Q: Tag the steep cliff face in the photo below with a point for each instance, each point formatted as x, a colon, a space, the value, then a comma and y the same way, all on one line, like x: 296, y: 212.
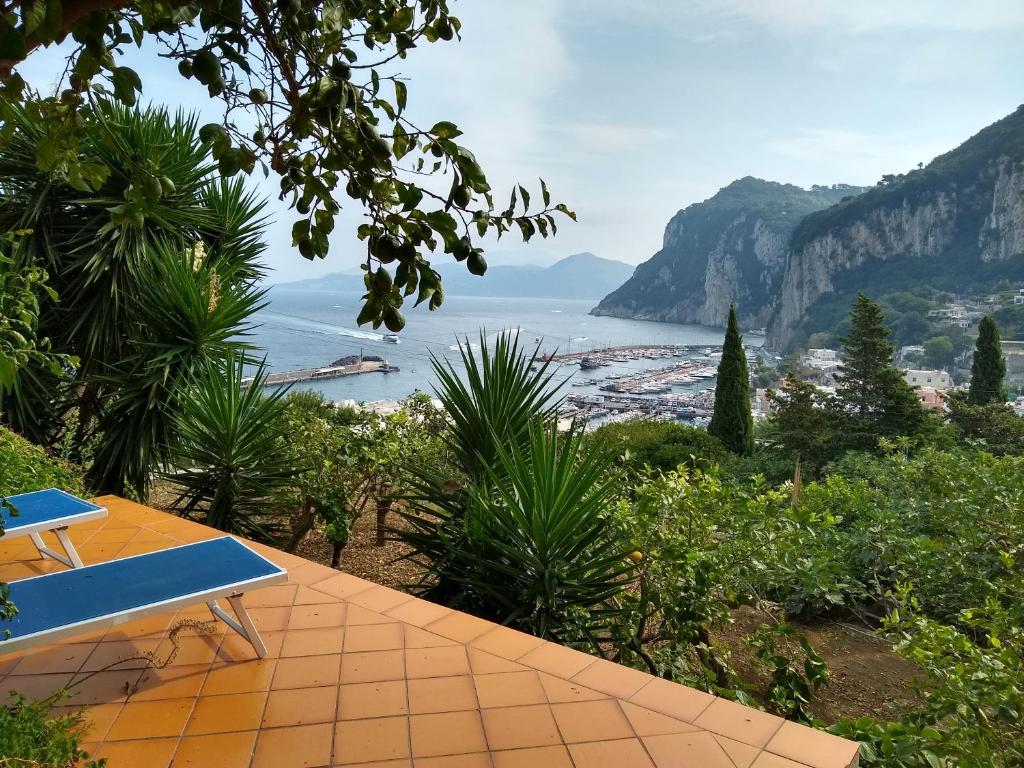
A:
x: 729, y: 249
x: 956, y: 224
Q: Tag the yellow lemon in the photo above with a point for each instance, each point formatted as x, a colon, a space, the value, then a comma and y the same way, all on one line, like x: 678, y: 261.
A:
x: 636, y: 556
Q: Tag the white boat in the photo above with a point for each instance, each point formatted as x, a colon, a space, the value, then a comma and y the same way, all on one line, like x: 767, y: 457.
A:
x: 391, y: 338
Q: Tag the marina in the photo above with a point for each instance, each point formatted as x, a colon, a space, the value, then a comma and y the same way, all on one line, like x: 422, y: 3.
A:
x: 348, y: 366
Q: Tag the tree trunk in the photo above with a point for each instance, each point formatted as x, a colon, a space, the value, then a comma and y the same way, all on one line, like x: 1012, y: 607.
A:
x: 301, y: 525
x: 383, y: 507
x: 336, y: 554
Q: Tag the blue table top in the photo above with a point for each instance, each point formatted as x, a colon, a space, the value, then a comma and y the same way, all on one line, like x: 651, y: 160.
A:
x: 42, y: 507
x: 63, y: 598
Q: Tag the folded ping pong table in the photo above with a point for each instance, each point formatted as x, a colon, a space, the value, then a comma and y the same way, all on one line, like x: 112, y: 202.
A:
x: 49, y: 510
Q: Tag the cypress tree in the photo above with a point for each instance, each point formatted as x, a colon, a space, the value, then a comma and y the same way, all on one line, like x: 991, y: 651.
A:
x: 989, y: 367
x: 871, y: 391
x: 732, y: 421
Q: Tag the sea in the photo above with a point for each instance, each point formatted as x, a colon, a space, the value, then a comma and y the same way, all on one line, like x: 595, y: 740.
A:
x: 312, y: 328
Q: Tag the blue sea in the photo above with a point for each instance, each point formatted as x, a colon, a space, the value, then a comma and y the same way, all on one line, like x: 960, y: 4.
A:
x: 309, y: 329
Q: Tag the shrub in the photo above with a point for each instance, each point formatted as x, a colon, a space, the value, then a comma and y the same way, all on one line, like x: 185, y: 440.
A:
x: 661, y: 445
x: 31, y: 736
x: 27, y: 467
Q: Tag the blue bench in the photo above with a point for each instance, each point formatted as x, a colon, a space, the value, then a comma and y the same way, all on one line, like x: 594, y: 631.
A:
x: 66, y: 603
x: 49, y: 510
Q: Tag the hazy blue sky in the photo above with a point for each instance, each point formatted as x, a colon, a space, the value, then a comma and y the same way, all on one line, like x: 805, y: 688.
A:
x: 633, y: 110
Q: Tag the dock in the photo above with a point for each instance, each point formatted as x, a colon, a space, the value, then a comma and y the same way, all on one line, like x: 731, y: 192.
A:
x: 328, y: 372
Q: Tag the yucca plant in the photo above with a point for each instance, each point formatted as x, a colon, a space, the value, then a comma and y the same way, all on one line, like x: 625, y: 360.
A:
x: 228, y: 456
x: 518, y: 530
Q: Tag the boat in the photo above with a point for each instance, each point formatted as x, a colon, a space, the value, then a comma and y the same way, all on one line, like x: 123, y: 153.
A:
x: 391, y: 338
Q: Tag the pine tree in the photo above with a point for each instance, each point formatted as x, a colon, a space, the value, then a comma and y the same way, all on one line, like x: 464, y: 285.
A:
x: 989, y: 367
x: 732, y: 421
x: 870, y: 390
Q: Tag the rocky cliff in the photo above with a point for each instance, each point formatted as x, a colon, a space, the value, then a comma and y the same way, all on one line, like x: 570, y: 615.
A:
x: 729, y: 249
x: 956, y: 224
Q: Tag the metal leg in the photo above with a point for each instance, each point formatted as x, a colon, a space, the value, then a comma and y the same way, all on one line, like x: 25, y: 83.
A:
x: 243, y: 626
x: 69, y: 548
x: 70, y: 558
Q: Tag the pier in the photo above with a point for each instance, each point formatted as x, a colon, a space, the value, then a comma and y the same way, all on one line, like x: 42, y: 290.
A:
x: 345, y: 367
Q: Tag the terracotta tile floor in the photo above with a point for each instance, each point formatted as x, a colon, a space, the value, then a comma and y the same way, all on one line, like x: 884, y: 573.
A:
x: 361, y: 675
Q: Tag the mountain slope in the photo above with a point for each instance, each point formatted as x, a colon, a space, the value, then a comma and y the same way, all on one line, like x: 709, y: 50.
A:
x: 580, y: 276
x: 731, y: 248
x: 957, y: 223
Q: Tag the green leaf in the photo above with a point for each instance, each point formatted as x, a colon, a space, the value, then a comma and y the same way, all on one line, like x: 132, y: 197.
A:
x: 126, y: 82
x: 12, y: 44
x: 401, y: 94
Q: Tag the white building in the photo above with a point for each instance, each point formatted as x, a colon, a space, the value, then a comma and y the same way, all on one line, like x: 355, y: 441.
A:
x: 937, y: 380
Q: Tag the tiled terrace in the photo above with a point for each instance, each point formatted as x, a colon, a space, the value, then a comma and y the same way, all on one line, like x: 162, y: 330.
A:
x: 362, y: 675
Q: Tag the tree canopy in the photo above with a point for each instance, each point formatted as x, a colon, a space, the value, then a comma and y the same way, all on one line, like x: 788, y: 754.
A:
x: 310, y: 94
x: 732, y: 421
x: 989, y: 368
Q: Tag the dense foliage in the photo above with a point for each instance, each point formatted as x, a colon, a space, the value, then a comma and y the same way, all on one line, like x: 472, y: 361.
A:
x: 309, y: 93
x: 660, y: 445
x: 31, y: 735
x: 731, y: 420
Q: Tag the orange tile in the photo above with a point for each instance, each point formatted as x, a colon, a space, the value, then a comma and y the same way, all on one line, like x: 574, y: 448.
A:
x: 271, y: 619
x: 446, y: 733
x: 231, y: 712
x: 420, y: 638
x: 647, y: 722
x: 380, y: 599
x: 769, y: 760
x: 310, y: 574
x: 190, y: 650
x: 507, y: 643
x: 236, y: 648
x: 229, y: 750
x: 477, y: 760
x: 313, y: 642
x: 509, y: 689
x: 673, y: 699
x: 373, y: 637
x: 155, y: 625
x: 239, y: 677
x: 436, y: 662
x: 146, y: 719
x: 316, y: 616
x: 811, y: 746
x: 591, y: 721
x: 460, y: 626
x: 364, y: 700
x: 170, y: 683
x: 67, y: 657
x: 271, y: 597
x: 306, y: 672
x: 372, y: 666
x: 683, y: 749
x: 739, y: 722
x: 483, y: 663
x: 356, y: 615
x: 611, y: 754
x: 97, y: 719
x: 309, y: 596
x: 343, y: 585
x: 418, y: 612
x: 441, y: 694
x: 121, y: 654
x: 515, y: 727
x: 363, y: 741
x: 559, y: 690
x: 535, y: 757
x: 306, y: 745
x: 743, y: 755
x: 151, y: 753
x: 613, y: 679
x: 99, y: 688
x: 557, y: 660
x: 302, y: 706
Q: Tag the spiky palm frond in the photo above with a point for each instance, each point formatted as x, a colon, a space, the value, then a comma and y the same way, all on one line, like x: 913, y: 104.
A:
x: 228, y: 454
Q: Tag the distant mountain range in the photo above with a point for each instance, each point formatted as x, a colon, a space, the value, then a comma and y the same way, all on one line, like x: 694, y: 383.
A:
x: 794, y: 259
x: 580, y: 276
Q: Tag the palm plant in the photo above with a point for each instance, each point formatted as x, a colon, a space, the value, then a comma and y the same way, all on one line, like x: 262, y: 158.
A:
x: 228, y: 458
x: 137, y: 311
x: 519, y: 533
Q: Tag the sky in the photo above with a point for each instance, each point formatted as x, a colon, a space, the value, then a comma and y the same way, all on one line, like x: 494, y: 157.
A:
x: 633, y: 110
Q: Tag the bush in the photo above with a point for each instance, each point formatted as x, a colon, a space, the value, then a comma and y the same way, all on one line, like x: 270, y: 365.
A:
x: 26, y: 467
x: 31, y: 736
x: 661, y: 445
